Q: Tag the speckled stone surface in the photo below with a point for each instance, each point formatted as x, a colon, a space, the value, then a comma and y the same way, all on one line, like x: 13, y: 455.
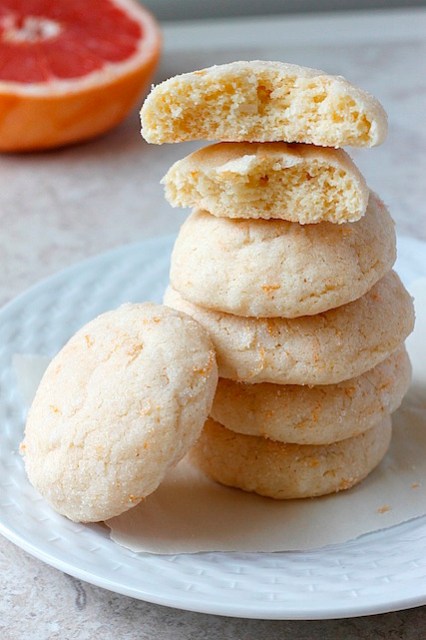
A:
x: 59, y: 207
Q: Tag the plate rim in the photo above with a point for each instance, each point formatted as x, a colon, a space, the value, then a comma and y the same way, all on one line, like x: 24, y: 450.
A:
x: 217, y: 608
x: 264, y: 610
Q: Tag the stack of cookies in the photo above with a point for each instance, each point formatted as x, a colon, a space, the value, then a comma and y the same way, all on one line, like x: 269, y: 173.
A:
x: 287, y: 261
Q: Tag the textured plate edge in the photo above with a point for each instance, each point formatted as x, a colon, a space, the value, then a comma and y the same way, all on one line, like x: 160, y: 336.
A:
x: 214, y: 608
x: 217, y: 608
x: 80, y: 265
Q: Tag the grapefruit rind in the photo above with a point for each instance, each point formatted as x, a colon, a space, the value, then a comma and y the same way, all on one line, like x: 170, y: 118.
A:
x: 51, y: 114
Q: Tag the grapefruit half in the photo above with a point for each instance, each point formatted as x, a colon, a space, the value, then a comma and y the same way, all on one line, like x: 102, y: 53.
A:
x: 71, y: 69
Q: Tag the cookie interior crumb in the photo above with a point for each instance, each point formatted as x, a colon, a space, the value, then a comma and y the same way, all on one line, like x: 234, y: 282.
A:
x: 261, y: 101
x: 299, y: 183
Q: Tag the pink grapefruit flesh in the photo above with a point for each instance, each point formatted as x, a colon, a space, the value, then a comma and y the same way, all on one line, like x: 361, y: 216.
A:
x: 71, y: 69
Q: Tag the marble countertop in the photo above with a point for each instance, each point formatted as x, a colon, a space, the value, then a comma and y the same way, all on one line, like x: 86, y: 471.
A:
x: 62, y: 206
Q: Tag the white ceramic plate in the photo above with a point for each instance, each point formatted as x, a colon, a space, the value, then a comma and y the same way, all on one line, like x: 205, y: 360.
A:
x: 379, y: 572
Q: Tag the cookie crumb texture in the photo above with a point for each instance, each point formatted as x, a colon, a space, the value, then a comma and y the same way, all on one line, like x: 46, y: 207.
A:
x: 287, y: 471
x: 326, y: 348
x: 274, y: 268
x: 294, y: 182
x: 122, y: 402
x: 322, y: 414
x: 261, y: 101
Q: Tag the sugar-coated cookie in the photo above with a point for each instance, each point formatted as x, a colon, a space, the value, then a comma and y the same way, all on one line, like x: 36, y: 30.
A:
x: 260, y: 101
x: 314, y: 415
x: 295, y: 182
x: 286, y: 471
x: 323, y: 349
x: 122, y: 402
x: 274, y: 268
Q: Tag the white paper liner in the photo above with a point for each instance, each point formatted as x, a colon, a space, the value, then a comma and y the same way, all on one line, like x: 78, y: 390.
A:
x: 189, y: 513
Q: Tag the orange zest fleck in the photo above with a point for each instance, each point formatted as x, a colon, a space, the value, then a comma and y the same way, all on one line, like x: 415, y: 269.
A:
x: 268, y: 288
x: 384, y: 509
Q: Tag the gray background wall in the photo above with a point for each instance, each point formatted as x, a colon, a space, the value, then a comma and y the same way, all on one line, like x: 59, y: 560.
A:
x: 196, y: 9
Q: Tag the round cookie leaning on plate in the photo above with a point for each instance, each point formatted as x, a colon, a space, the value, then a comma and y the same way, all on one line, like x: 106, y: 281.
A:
x: 285, y: 471
x: 326, y: 348
x: 295, y: 182
x: 121, y: 403
x: 262, y: 101
x: 260, y: 268
x: 322, y: 414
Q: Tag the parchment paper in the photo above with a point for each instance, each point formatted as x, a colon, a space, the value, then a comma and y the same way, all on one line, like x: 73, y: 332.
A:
x: 189, y: 513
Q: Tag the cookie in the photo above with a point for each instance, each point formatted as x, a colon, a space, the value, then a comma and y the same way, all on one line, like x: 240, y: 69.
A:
x: 294, y: 182
x: 122, y: 402
x: 326, y: 348
x: 314, y: 415
x: 274, y: 268
x: 286, y: 471
x: 260, y: 101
